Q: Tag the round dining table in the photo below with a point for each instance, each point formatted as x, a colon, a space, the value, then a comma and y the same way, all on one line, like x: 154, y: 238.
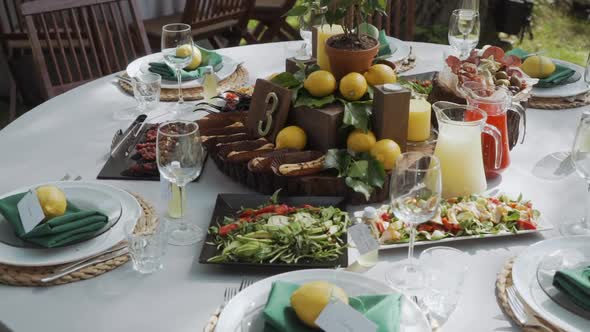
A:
x: 72, y: 134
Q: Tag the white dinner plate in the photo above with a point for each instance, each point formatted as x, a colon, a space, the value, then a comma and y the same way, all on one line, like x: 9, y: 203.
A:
x: 141, y: 65
x: 249, y: 303
x: 86, y: 195
x: 566, y: 90
x: 524, y: 276
x: 400, y: 49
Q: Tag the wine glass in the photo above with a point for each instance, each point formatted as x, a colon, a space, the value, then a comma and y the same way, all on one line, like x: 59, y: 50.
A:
x: 445, y: 273
x: 581, y: 159
x: 464, y: 30
x: 179, y: 154
x: 177, y: 49
x: 470, y: 4
x: 415, y: 196
x: 587, y: 71
x: 307, y: 21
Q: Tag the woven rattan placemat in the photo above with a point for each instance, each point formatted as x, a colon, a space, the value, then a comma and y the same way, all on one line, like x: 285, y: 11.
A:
x: 236, y: 80
x: 30, y: 276
x: 503, y: 281
x: 560, y: 103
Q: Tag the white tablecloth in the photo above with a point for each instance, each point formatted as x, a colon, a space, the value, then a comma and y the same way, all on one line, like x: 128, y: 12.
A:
x: 72, y: 133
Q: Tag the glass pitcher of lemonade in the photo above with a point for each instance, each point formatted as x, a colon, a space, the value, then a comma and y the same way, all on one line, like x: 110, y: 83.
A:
x: 459, y: 148
x: 495, y: 101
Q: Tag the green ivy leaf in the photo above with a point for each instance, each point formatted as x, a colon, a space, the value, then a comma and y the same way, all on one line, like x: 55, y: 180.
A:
x: 357, y: 114
x: 359, y: 187
x: 305, y: 99
x: 286, y: 80
x: 358, y: 169
x: 375, y: 172
x: 339, y: 160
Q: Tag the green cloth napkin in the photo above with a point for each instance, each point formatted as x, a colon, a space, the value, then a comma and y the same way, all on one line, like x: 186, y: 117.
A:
x: 384, y: 48
x: 75, y: 225
x: 383, y: 310
x: 575, y: 283
x: 559, y: 76
x: 209, y: 58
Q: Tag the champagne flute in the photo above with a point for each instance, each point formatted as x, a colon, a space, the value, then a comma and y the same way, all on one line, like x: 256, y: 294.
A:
x: 470, y: 4
x: 177, y: 49
x: 587, y: 71
x: 179, y: 154
x: 581, y: 160
x: 415, y: 196
x: 464, y: 30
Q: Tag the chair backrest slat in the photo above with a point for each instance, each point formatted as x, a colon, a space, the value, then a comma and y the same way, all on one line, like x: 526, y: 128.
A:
x: 201, y: 13
x: 82, y: 39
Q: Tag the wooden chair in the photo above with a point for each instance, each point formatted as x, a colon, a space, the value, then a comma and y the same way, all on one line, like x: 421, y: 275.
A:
x: 74, y: 42
x: 209, y: 19
x: 270, y: 14
x: 392, y: 23
x: 13, y: 42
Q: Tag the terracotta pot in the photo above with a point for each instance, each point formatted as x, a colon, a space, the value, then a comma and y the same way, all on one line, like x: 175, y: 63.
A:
x: 344, y: 61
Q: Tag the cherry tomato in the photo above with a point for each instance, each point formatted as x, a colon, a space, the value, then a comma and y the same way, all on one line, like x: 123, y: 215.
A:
x: 224, y: 230
x: 526, y: 225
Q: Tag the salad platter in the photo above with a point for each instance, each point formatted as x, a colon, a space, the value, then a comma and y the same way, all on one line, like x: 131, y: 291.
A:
x: 463, y: 218
x: 293, y: 232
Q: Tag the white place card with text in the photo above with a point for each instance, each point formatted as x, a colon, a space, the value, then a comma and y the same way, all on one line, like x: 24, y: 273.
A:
x: 338, y: 316
x: 30, y: 211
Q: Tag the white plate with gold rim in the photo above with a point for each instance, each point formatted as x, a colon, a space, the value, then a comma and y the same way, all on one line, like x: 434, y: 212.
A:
x: 99, y: 196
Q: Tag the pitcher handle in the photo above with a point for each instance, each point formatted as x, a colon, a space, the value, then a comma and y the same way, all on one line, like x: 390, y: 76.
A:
x: 517, y: 107
x: 495, y: 133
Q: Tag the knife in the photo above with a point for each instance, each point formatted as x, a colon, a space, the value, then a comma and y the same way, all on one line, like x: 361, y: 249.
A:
x: 76, y: 267
x: 127, y: 135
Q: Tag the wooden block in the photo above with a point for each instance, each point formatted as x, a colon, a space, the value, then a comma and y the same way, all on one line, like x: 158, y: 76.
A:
x: 291, y: 64
x: 314, y: 42
x: 263, y: 109
x: 391, y: 111
x: 323, y: 126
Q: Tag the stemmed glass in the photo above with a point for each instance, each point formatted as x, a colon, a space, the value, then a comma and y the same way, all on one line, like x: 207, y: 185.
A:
x: 464, y: 30
x: 415, y: 196
x: 581, y: 159
x: 179, y: 154
x: 587, y: 71
x: 177, y: 49
x: 445, y: 270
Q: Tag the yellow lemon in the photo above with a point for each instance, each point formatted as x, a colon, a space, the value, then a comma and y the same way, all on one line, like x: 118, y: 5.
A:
x: 311, y: 298
x: 380, y: 74
x: 320, y: 83
x: 291, y: 137
x: 353, y: 86
x: 185, y: 50
x: 538, y: 66
x: 359, y: 141
x: 52, y: 200
x: 386, y: 151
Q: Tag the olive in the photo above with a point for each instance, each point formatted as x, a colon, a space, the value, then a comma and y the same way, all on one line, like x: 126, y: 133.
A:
x: 502, y: 75
x: 503, y: 82
x: 514, y: 80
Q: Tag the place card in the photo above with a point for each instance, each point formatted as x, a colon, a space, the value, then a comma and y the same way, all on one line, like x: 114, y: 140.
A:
x: 338, y: 316
x: 363, y: 239
x: 30, y: 211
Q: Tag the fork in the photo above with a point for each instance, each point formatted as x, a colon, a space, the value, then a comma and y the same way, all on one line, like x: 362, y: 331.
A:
x: 523, y: 314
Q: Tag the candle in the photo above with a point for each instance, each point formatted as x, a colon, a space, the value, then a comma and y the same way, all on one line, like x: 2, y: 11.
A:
x: 324, y: 32
x: 419, y: 120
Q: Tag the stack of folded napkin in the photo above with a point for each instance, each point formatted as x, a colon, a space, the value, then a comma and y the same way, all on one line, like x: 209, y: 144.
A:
x: 383, y: 310
x: 575, y: 283
x: 559, y: 76
x: 210, y: 58
x: 74, y: 226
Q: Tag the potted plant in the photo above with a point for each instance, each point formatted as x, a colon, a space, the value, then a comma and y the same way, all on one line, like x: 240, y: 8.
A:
x: 352, y: 51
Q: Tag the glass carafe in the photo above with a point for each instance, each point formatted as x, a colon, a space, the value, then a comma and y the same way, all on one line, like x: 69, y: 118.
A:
x: 459, y: 148
x: 496, y: 101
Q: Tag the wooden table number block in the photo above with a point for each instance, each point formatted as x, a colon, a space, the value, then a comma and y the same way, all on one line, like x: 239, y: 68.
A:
x: 391, y: 111
x: 268, y: 110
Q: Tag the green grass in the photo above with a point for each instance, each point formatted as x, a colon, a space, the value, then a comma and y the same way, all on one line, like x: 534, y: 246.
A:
x: 558, y: 34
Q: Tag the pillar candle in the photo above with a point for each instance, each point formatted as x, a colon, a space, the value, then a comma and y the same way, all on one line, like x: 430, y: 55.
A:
x: 419, y: 121
x: 324, y: 32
